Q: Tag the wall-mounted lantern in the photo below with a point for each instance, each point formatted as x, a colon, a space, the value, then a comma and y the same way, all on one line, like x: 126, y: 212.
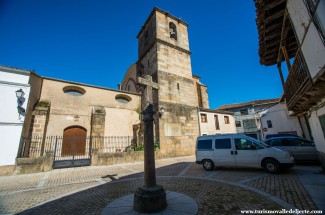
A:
x: 161, y: 111
x: 20, y: 101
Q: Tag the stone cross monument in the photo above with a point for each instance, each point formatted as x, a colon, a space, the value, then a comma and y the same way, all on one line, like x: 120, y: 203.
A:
x: 151, y: 197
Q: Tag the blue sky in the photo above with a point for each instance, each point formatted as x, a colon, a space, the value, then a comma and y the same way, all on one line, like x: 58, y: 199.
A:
x: 94, y: 42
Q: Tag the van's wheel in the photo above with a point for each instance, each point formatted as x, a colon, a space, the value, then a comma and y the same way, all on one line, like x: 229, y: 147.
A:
x: 208, y: 165
x: 271, y: 166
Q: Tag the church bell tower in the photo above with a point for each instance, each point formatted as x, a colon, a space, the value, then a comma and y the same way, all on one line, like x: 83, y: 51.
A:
x: 163, y: 53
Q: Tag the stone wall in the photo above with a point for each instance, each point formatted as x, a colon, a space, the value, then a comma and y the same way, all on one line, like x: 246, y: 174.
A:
x: 122, y: 157
x: 98, y: 121
x: 7, y: 170
x: 147, y: 37
x: 35, y: 164
x: 168, y: 60
x: 205, y: 99
x: 178, y: 129
x: 176, y: 89
x: 38, y: 125
x: 39, y: 119
x: 98, y: 125
x: 174, y: 61
x: 44, y: 163
x: 163, y: 20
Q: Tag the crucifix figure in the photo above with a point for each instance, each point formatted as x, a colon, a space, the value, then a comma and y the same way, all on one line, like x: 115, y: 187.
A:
x: 151, y: 197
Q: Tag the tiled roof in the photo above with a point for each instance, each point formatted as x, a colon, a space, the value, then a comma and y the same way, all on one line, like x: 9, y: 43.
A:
x: 255, y: 102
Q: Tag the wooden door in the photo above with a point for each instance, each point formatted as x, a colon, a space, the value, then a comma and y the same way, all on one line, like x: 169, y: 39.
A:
x: 74, y: 141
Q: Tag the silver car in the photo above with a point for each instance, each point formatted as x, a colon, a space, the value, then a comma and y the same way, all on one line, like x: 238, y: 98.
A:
x: 300, y: 148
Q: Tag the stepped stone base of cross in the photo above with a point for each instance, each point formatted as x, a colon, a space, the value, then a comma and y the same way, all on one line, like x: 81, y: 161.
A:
x: 150, y: 199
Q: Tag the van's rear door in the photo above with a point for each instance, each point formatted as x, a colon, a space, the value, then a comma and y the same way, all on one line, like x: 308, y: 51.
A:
x: 204, y: 149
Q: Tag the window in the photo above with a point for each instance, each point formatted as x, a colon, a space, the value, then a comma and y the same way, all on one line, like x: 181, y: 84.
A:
x: 298, y: 142
x: 226, y: 119
x: 178, y: 86
x: 204, y: 145
x: 122, y: 98
x: 216, y: 122
x: 238, y: 124
x: 244, y: 112
x: 243, y: 144
x: 172, y: 31
x: 74, y: 91
x: 222, y: 144
x: 204, y: 118
x: 269, y: 123
x: 276, y: 142
x: 249, y: 124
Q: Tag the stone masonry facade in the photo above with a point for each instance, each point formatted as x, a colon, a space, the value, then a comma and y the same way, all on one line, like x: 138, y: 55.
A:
x: 39, y: 121
x: 38, y: 126
x: 98, y: 125
x: 164, y: 54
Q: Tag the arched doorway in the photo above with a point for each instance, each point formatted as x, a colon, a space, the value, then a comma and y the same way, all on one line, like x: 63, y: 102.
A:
x: 73, y: 149
x: 74, y: 141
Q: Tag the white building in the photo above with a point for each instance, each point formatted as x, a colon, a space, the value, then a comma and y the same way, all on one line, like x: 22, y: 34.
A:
x: 246, y: 117
x: 11, y: 122
x: 295, y: 29
x: 276, y: 120
x: 14, y: 111
x: 216, y: 122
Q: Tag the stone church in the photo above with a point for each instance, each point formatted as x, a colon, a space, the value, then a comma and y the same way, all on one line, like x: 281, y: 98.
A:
x: 82, y: 121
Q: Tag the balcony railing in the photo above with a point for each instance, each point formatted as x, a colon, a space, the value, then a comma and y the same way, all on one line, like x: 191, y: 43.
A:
x: 297, y: 79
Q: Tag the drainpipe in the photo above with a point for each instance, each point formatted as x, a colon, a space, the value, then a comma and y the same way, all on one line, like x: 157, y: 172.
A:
x: 198, y: 119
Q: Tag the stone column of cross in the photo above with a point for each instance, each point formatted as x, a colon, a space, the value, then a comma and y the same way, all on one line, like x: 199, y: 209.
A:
x: 148, y: 112
x: 151, y: 197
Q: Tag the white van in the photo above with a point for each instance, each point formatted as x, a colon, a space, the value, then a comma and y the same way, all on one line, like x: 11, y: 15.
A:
x: 239, y: 150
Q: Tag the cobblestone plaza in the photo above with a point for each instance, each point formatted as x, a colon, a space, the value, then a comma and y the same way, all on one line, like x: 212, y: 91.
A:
x: 87, y: 190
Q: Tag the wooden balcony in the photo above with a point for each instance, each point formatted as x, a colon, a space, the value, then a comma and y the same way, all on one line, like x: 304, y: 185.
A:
x: 301, y: 91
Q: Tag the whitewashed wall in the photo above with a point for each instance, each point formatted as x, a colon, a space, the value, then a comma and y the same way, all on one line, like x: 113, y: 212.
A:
x: 311, y: 45
x: 210, y: 128
x: 316, y: 128
x: 10, y: 124
x: 281, y: 121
